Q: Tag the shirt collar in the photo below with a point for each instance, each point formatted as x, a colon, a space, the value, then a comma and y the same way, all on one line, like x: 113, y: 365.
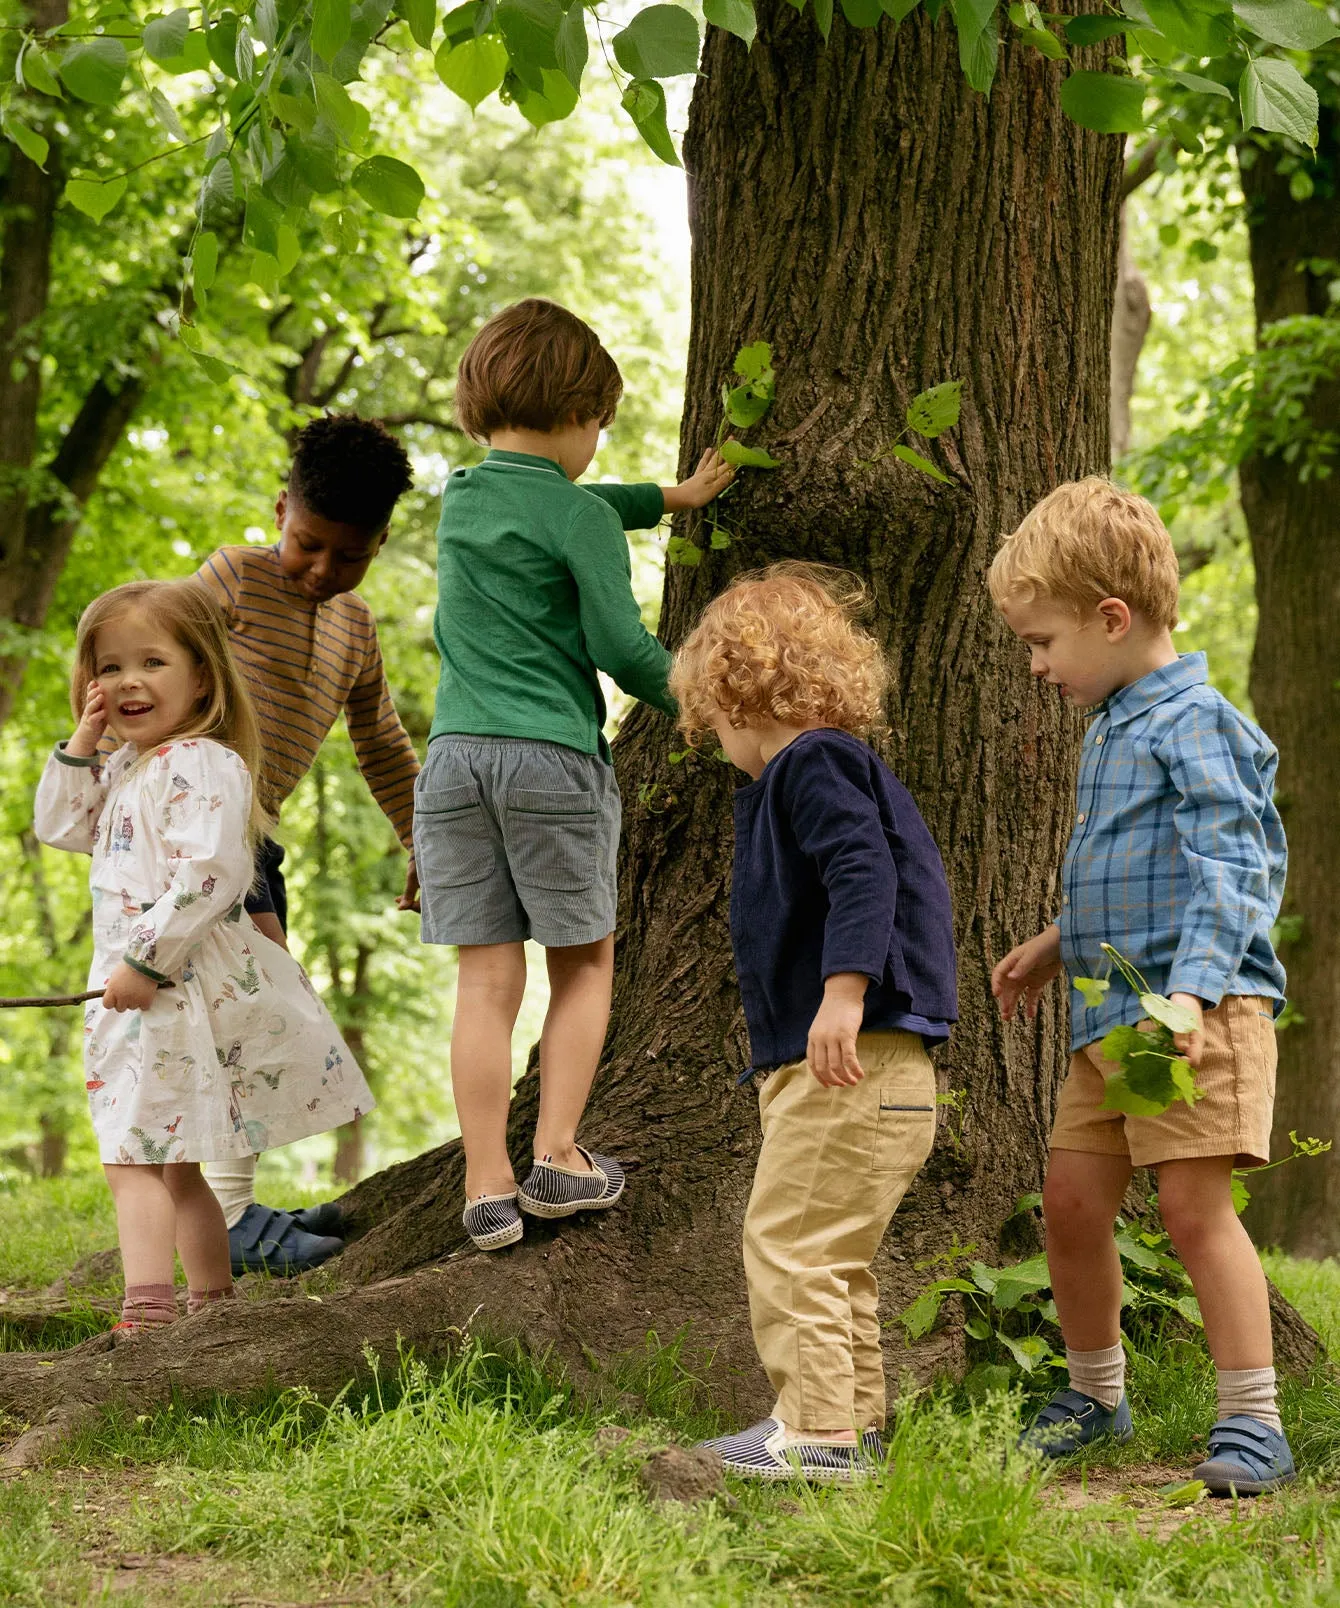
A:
x: 524, y: 460
x: 1186, y: 671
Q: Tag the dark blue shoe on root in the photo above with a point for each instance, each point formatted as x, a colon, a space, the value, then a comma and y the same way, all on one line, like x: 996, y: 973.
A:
x: 264, y: 1240
x: 325, y: 1220
x: 1071, y: 1420
x: 551, y: 1191
x: 1246, y: 1458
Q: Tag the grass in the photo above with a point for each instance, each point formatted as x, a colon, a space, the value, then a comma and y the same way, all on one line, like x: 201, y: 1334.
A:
x: 483, y: 1485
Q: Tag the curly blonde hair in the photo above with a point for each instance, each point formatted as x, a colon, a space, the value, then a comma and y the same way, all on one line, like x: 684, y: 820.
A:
x: 782, y: 643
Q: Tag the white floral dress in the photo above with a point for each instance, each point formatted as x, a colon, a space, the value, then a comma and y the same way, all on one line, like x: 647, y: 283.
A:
x: 239, y: 1055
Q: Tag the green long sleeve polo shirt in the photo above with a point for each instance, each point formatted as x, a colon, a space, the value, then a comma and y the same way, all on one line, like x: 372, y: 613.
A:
x: 534, y: 595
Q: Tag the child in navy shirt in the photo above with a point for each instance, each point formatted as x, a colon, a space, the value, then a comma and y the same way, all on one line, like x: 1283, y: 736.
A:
x: 843, y: 939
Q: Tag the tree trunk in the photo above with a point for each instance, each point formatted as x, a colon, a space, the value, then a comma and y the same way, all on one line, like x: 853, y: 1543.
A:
x: 54, y: 1129
x: 1295, y: 686
x: 858, y: 206
x: 347, y: 1167
x: 1130, y: 325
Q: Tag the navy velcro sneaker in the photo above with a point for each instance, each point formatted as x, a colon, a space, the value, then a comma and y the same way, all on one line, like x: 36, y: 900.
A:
x: 1246, y: 1458
x: 1071, y: 1420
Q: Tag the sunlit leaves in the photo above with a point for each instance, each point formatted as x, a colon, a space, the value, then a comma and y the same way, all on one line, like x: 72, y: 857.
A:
x: 165, y: 37
x: 735, y: 16
x: 931, y: 413
x: 389, y: 185
x: 644, y: 101
x: 421, y: 15
x: 473, y: 69
x: 93, y: 70
x: 978, y: 41
x: 95, y: 198
x: 1276, y: 97
x: 28, y: 140
x: 660, y: 42
x: 1104, y: 102
x: 331, y: 25
x: 1294, y: 24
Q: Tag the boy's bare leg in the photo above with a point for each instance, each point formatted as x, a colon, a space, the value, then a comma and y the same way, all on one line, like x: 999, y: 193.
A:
x: 490, y: 982
x: 1196, y: 1200
x: 202, y: 1235
x: 1080, y: 1202
x: 581, y: 980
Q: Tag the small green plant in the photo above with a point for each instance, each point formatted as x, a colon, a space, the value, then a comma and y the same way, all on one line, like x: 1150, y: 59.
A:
x: 1242, y: 1196
x: 929, y: 414
x: 955, y: 1102
x: 1153, y: 1074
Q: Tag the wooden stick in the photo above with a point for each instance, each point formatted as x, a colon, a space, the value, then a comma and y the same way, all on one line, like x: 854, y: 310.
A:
x: 59, y: 999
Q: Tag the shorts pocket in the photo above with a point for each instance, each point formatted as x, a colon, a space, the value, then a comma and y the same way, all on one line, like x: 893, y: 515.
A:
x: 554, y: 840
x: 904, y: 1135
x: 453, y: 846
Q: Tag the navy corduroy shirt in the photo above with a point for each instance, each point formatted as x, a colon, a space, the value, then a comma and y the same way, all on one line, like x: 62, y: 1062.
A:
x: 835, y: 871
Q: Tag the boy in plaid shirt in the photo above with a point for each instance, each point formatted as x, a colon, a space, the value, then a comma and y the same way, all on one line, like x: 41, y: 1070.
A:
x: 1177, y: 860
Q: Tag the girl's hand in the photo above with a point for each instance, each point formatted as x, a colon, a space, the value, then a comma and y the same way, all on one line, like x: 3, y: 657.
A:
x: 88, y: 733
x: 1027, y: 970
x: 409, y: 900
x: 128, y: 990
x: 707, y: 481
x: 831, y: 1051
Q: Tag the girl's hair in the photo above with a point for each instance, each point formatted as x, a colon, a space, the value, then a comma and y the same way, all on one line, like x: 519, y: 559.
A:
x: 225, y: 712
x: 782, y: 642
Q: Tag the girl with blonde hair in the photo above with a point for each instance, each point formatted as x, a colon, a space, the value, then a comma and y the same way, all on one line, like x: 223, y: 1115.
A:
x: 208, y: 1041
x: 844, y: 948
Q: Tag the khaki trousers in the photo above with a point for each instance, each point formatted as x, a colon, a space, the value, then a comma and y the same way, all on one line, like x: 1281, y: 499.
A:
x: 833, y: 1167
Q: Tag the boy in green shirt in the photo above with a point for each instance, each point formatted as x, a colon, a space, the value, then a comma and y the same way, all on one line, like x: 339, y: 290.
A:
x: 516, y: 812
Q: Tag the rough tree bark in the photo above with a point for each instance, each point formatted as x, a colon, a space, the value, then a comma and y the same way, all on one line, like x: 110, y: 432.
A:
x: 858, y: 206
x: 1130, y: 325
x: 1295, y: 686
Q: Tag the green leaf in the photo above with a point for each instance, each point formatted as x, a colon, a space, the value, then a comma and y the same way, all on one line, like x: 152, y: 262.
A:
x: 748, y: 457
x: 338, y: 107
x: 260, y: 227
x: 1131, y: 1250
x: 1029, y: 1351
x: 205, y: 261
x: 570, y: 44
x: 218, y: 369
x: 221, y: 39
x: 195, y: 56
x: 315, y: 164
x: 1276, y: 97
x: 294, y: 110
x: 340, y: 229
x: 421, y: 15
x: 1189, y: 1307
x: 530, y: 28
x: 754, y: 362
x: 735, y: 16
x: 555, y: 100
x: 977, y: 1329
x: 919, y: 1318
x: 986, y: 1379
x: 898, y: 9
x: 474, y: 69
x: 916, y: 461
x: 823, y: 15
x: 745, y: 406
x: 165, y: 37
x: 389, y: 186
x: 931, y: 413
x: 660, y: 42
x: 244, y: 56
x: 1027, y: 1203
x: 1176, y: 1018
x: 94, y: 198
x: 331, y: 26
x: 93, y: 69
x: 218, y: 195
x: 1199, y: 27
x: 1092, y: 30
x: 288, y: 248
x: 1104, y: 103
x: 166, y: 114
x: 1202, y: 86
x: 1294, y: 24
x: 1045, y: 42
x: 28, y: 140
x: 1242, y: 1196
x: 37, y: 74
x: 984, y: 1278
x: 264, y: 271
x: 680, y: 550
x: 863, y: 13
x: 644, y: 101
x: 1092, y: 989
x: 265, y: 22
x: 978, y: 41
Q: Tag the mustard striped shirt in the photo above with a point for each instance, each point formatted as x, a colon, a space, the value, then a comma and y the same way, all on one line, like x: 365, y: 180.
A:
x: 304, y: 662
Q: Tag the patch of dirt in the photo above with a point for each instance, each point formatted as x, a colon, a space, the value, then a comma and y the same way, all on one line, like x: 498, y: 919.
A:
x: 1140, y: 1494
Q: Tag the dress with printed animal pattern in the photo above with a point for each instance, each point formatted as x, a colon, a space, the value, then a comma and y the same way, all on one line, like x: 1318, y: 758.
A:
x: 239, y: 1055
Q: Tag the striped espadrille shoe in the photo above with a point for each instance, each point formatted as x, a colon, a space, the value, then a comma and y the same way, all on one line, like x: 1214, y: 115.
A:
x: 492, y: 1221
x: 761, y: 1452
x: 552, y: 1191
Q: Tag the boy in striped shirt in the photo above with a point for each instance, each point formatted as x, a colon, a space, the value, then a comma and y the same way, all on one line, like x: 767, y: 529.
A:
x: 307, y: 645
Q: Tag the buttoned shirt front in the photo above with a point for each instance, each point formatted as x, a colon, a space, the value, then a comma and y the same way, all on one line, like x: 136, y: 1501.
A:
x: 1177, y: 857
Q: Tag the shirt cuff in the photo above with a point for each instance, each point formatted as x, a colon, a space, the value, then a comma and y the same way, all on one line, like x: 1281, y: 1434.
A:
x: 145, y: 971
x: 81, y: 761
x: 1206, y: 986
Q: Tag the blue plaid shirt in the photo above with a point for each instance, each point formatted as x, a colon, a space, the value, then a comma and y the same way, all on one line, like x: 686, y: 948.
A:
x: 1177, y: 857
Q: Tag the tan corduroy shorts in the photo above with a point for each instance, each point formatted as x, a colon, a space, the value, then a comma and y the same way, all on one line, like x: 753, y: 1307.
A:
x: 1236, y: 1071
x: 833, y: 1167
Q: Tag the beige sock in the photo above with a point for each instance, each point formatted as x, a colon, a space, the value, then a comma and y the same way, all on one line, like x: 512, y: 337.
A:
x: 1100, y: 1374
x: 1250, y: 1391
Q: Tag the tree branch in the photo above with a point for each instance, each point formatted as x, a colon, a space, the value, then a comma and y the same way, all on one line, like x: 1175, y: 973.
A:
x: 1142, y: 167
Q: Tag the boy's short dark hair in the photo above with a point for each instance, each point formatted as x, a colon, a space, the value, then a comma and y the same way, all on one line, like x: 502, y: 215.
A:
x: 349, y: 470
x: 534, y: 366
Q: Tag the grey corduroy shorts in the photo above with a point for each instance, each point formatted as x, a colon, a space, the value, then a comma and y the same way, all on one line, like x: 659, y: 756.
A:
x: 515, y: 838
